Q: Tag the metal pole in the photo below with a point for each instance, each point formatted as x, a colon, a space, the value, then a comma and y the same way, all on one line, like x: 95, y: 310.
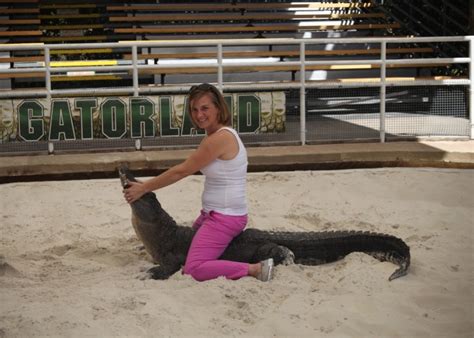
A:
x: 138, y: 141
x: 471, y: 86
x: 302, y: 94
x: 220, y: 71
x: 383, y: 75
x: 47, y: 63
x: 135, y: 70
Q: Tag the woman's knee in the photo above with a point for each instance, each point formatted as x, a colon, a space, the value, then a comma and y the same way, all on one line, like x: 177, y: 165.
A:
x: 194, y: 272
x: 187, y: 268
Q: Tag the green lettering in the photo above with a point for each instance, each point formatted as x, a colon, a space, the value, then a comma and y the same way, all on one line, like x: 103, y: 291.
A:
x: 30, y: 120
x: 61, y: 124
x: 114, y: 124
x: 248, y: 118
x: 166, y: 128
x: 86, y: 107
x: 141, y: 120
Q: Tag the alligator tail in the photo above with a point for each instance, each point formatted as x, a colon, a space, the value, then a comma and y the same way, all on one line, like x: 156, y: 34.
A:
x: 323, y: 247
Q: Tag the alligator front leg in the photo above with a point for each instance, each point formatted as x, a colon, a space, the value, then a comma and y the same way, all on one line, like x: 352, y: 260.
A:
x: 162, y: 272
x: 168, y: 267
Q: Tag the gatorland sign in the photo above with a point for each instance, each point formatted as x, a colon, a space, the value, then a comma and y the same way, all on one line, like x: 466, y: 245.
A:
x: 82, y: 118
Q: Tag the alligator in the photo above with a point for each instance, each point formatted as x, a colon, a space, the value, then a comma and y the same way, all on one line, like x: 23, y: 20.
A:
x: 168, y: 243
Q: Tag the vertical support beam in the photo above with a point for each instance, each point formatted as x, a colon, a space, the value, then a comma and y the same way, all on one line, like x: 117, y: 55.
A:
x: 471, y: 86
x: 383, y: 93
x: 138, y: 141
x: 302, y: 93
x: 220, y: 71
x: 135, y: 70
x: 47, y: 63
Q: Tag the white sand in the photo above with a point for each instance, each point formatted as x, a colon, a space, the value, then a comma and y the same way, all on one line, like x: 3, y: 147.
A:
x: 71, y: 260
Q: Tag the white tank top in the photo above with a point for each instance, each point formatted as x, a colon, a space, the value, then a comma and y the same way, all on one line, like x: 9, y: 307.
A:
x: 225, y: 183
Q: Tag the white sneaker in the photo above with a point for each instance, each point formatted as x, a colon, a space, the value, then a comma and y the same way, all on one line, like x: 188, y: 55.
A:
x: 267, y: 270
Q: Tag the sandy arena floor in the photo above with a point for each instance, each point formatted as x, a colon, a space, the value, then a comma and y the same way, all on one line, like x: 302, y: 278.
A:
x: 70, y: 260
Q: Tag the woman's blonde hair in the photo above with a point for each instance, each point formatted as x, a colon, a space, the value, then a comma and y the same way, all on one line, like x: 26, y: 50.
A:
x: 196, y: 92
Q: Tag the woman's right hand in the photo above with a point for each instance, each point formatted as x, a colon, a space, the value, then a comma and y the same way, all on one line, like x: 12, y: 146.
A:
x: 134, y: 191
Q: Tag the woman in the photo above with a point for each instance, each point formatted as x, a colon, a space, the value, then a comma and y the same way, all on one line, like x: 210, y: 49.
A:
x: 222, y: 158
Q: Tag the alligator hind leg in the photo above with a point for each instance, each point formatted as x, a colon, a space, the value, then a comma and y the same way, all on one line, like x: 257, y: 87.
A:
x: 289, y: 255
x: 280, y: 254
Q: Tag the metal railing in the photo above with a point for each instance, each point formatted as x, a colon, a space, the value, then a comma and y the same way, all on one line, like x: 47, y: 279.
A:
x: 220, y: 65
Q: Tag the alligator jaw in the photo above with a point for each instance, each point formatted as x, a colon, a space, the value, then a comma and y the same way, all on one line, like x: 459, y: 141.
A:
x: 123, y: 177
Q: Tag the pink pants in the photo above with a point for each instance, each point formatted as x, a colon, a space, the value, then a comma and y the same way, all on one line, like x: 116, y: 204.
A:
x: 214, y: 233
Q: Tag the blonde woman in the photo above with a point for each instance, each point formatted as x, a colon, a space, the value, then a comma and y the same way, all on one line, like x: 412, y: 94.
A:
x: 222, y: 158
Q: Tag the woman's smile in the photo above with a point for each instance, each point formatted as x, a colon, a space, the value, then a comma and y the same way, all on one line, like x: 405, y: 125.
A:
x: 205, y: 113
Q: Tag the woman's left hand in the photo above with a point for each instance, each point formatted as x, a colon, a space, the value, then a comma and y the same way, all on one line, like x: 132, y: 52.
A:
x: 134, y: 191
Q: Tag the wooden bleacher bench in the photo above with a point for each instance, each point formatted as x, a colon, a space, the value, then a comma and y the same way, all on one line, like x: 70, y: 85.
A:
x: 197, y: 12
x: 83, y: 38
x: 22, y: 75
x: 84, y: 51
x: 70, y: 16
x: 8, y: 11
x: 280, y: 68
x: 241, y: 17
x: 282, y: 15
x: 97, y: 77
x: 208, y: 69
x: 40, y: 58
x: 395, y: 79
x: 62, y: 78
x: 243, y: 54
x: 14, y: 22
x: 21, y: 59
x: 170, y: 29
x: 74, y: 21
x: 20, y: 33
x: 20, y: 18
x: 281, y: 54
x: 69, y: 6
x: 19, y: 2
x: 189, y: 6
x: 72, y: 27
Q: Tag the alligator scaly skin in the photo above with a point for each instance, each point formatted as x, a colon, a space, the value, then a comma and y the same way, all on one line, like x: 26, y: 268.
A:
x: 168, y: 243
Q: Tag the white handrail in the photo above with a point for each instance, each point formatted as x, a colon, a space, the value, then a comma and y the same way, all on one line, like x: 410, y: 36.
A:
x: 233, y: 42
x: 220, y: 66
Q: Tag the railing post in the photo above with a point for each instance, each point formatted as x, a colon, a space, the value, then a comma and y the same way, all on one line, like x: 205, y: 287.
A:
x: 471, y: 87
x: 135, y: 70
x: 302, y: 94
x: 220, y: 71
x: 47, y: 64
x: 138, y: 141
x: 383, y: 75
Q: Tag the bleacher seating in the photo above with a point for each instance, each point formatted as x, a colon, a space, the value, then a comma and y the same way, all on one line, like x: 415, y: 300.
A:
x: 242, y: 19
x: 19, y: 20
x: 440, y: 18
x: 84, y: 21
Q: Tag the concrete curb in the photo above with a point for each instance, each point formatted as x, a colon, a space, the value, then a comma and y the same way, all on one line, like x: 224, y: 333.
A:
x: 459, y: 154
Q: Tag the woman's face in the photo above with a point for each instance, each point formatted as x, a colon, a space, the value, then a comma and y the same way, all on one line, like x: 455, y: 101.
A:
x: 205, y: 113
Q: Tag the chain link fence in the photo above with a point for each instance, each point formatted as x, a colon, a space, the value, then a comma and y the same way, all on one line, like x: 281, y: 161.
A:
x: 277, y: 112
